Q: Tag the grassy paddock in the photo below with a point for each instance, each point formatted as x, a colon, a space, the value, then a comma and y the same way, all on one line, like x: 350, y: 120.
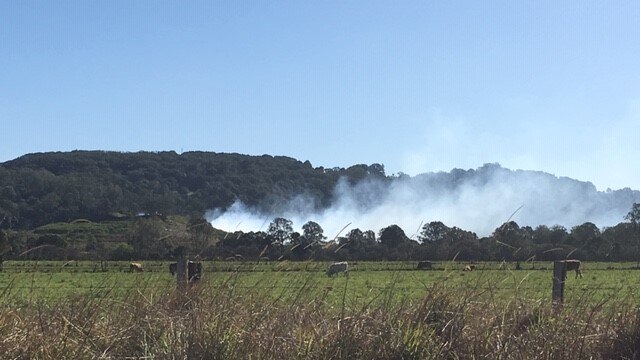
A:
x: 53, y: 310
x: 24, y: 281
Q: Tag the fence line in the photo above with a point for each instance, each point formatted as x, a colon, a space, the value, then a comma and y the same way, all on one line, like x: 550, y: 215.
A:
x: 171, y: 284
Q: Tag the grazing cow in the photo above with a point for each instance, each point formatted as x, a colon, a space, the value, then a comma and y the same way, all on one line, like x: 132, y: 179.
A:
x: 574, y: 265
x: 339, y: 267
x: 137, y: 267
x: 469, y: 268
x: 426, y: 265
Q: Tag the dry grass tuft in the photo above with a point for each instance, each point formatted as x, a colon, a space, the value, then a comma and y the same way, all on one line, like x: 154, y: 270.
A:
x: 220, y: 323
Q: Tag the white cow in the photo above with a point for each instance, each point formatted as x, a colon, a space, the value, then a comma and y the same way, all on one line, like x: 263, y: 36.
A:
x: 137, y: 267
x: 339, y: 267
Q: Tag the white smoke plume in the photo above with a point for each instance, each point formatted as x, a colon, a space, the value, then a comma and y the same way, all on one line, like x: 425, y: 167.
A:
x: 476, y: 200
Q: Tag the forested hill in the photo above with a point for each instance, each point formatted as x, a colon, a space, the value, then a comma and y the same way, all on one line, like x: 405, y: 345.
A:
x: 38, y: 189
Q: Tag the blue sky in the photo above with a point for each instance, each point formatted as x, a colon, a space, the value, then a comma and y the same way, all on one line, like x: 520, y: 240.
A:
x: 417, y: 86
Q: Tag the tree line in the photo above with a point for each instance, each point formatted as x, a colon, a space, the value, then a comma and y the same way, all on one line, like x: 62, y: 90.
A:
x: 437, y: 241
x: 160, y: 237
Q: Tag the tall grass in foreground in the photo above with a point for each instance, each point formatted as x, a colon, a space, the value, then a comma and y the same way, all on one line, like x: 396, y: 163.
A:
x: 224, y: 323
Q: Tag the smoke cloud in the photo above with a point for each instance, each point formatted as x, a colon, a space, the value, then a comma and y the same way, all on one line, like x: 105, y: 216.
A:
x: 477, y: 200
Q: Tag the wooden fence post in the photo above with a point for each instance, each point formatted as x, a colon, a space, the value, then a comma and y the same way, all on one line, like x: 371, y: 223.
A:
x: 182, y: 273
x: 559, y: 276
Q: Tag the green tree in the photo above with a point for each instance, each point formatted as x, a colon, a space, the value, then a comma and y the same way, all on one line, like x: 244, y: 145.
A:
x: 432, y: 232
x: 621, y: 242
x: 588, y: 239
x: 549, y: 235
x: 301, y: 246
x: 200, y: 232
x: 122, y: 252
x: 355, y: 241
x: 510, y: 240
x: 313, y: 232
x: 147, y: 238
x: 392, y: 236
x: 634, y: 218
x: 5, y: 245
x: 581, y: 234
x: 280, y: 230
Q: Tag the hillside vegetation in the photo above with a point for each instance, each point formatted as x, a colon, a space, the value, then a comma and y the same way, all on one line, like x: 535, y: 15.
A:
x: 122, y: 206
x: 37, y: 189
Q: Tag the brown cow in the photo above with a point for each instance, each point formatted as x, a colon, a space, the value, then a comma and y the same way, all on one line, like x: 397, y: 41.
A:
x: 137, y: 267
x: 574, y: 265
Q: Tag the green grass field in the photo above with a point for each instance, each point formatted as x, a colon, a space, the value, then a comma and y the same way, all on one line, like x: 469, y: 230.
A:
x: 292, y: 310
x: 369, y: 282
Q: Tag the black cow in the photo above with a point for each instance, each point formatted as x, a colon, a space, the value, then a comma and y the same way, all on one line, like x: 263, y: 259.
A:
x: 194, y: 270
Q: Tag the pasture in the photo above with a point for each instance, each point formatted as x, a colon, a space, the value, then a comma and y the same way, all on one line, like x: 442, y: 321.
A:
x: 368, y: 283
x: 293, y: 310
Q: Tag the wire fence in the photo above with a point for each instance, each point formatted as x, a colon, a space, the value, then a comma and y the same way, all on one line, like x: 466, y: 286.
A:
x: 243, y: 266
x: 55, y: 279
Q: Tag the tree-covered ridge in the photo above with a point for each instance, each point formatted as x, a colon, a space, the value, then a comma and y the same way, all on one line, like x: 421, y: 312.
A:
x: 108, y: 205
x: 40, y: 188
